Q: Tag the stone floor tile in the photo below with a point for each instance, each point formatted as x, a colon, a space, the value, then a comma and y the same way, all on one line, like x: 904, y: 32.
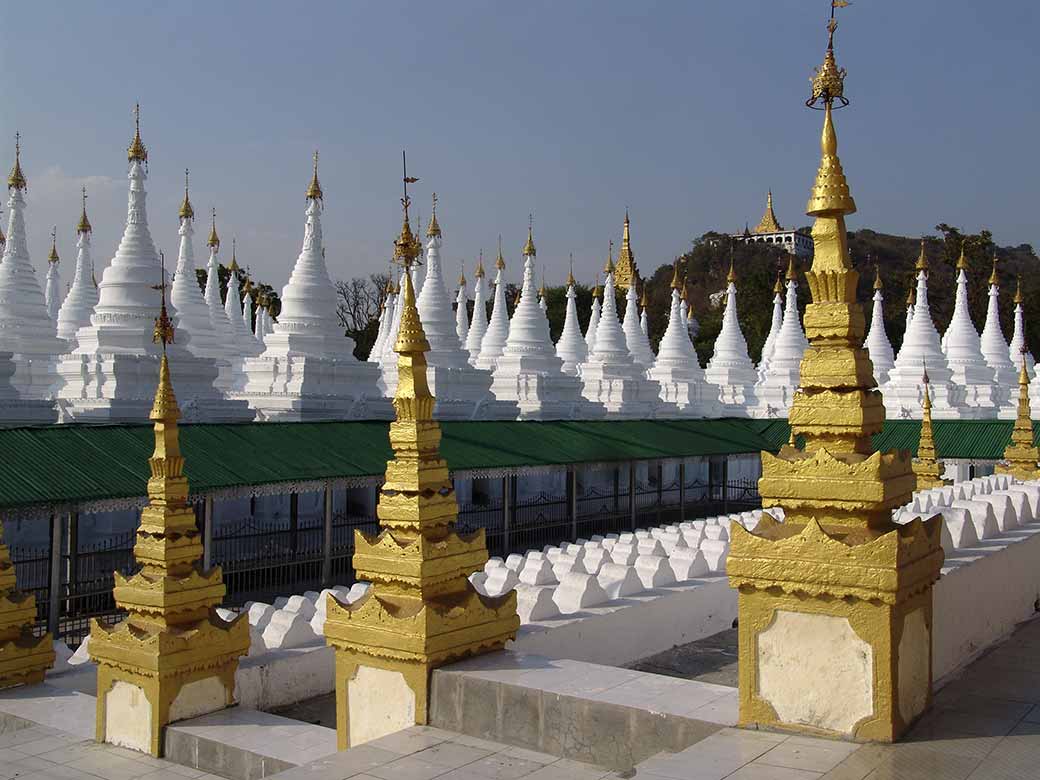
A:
x: 766, y: 772
x: 988, y: 707
x: 107, y: 766
x: 531, y: 755
x: 686, y: 766
x: 65, y: 774
x: 346, y: 763
x: 409, y: 768
x: 162, y: 774
x: 499, y: 766
x: 477, y: 742
x: 451, y: 755
x: 15, y: 738
x: 410, y: 740
x: 10, y: 754
x: 46, y: 745
x: 799, y: 753
x: 917, y: 762
x: 769, y: 736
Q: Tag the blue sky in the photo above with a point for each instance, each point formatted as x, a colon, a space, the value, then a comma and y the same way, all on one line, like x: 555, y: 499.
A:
x: 683, y: 111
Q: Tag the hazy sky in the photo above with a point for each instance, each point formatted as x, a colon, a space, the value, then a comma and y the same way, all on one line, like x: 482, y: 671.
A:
x: 683, y: 111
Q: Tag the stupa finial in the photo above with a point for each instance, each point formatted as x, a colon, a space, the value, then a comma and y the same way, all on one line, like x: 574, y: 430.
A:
x: 186, y: 212
x: 676, y: 282
x: 877, y: 277
x: 962, y: 261
x: 462, y: 273
x: 778, y: 288
x: 406, y: 246
x: 609, y: 267
x: 500, y: 263
x: 214, y: 240
x: 53, y: 256
x: 479, y: 273
x: 163, y: 332
x: 922, y: 260
x: 84, y: 223
x: 136, y: 150
x: 529, y: 250
x: 433, y: 229
x: 16, y: 180
x: 1018, y: 291
x: 570, y: 273
x: 994, y: 279
x: 314, y: 188
x: 792, y: 275
x: 769, y: 222
x: 731, y: 277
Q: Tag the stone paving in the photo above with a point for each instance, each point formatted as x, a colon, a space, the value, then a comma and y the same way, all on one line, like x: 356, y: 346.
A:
x: 711, y: 660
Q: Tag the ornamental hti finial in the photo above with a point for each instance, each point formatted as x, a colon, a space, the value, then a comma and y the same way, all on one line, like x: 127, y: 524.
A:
x: 828, y: 80
x: 163, y: 332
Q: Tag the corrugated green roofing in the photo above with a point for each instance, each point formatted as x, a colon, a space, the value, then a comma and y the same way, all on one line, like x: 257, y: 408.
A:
x: 68, y: 463
x: 72, y: 464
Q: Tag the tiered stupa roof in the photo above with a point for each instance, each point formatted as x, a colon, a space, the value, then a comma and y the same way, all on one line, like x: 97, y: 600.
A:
x: 878, y: 346
x: 494, y: 340
x: 571, y: 347
x: 963, y: 350
x: 635, y: 336
x: 52, y: 290
x: 730, y: 367
x: 594, y: 315
x: 782, y: 376
x: 82, y: 296
x: 996, y: 351
x: 479, y: 322
x: 461, y: 311
x: 774, y: 325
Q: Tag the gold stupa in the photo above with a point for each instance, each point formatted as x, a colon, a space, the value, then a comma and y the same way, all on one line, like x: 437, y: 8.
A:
x: 926, y: 466
x: 835, y: 602
x: 173, y: 657
x: 421, y: 611
x: 626, y: 273
x: 1021, y: 456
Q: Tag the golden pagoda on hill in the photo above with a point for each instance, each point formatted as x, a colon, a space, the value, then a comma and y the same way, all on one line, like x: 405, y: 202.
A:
x: 421, y: 611
x: 835, y: 602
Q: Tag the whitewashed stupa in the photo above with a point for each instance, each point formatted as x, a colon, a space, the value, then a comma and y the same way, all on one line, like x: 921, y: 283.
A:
x: 571, y: 347
x: 903, y: 393
x: 878, y: 346
x: 611, y: 378
x: 307, y: 370
x: 244, y: 341
x: 386, y: 313
x: 1019, y: 351
x: 594, y: 315
x: 462, y: 311
x: 110, y: 376
x: 997, y: 353
x: 82, y: 296
x: 730, y: 368
x: 225, y: 334
x: 529, y: 373
x: 52, y: 289
x: 678, y: 370
x: 968, y: 368
x: 774, y: 325
x: 780, y: 381
x: 478, y: 323
x: 635, y: 335
x: 644, y: 321
x: 494, y: 340
x: 27, y: 330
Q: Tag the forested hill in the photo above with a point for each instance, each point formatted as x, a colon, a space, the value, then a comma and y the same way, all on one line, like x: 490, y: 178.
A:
x: 707, y: 263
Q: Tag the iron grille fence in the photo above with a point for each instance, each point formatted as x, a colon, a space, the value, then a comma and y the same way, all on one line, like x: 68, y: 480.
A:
x: 265, y: 559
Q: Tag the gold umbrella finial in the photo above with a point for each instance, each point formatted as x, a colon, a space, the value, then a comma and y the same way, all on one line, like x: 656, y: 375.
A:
x: 922, y: 260
x: 500, y: 263
x: 84, y: 223
x: 163, y: 332
x: 570, y: 273
x: 186, y: 212
x: 314, y: 188
x: 994, y: 279
x: 479, y: 273
x: 609, y: 267
x: 53, y: 256
x: 16, y: 181
x: 529, y: 250
x: 137, y: 151
x: 434, y: 228
x: 214, y: 240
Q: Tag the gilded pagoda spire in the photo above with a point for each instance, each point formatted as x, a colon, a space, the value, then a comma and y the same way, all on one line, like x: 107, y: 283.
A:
x: 994, y: 278
x: 778, y: 287
x: 137, y: 151
x: 186, y: 211
x: 922, y: 259
x: 479, y: 273
x: 792, y: 275
x: 53, y: 256
x: 1018, y: 291
x: 626, y: 273
x: 877, y: 278
x: 570, y: 273
x: 314, y: 188
x: 608, y: 267
x: 500, y: 262
x: 676, y: 282
x: 962, y: 261
x: 16, y: 181
x: 769, y: 222
x: 1021, y: 456
x: 911, y: 297
x: 213, y: 242
x: 462, y: 273
x: 731, y: 276
x: 926, y: 466
x: 433, y: 229
x: 529, y: 250
x: 84, y: 223
x: 233, y: 265
x: 643, y: 300
x: 837, y: 558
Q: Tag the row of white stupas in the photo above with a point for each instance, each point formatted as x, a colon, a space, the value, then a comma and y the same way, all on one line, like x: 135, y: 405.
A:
x: 92, y: 358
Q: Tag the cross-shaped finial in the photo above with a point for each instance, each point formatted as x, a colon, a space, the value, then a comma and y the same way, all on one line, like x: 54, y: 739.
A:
x: 163, y: 332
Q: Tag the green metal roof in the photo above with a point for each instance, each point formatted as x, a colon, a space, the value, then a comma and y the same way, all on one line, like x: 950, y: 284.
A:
x: 67, y: 464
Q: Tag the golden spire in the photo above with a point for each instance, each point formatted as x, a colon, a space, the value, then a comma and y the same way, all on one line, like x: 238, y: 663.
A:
x: 462, y: 273
x: 962, y: 261
x: 529, y: 250
x: 685, y: 294
x: 609, y: 267
x: 877, y: 277
x: 1021, y: 454
x: 570, y: 273
x: 186, y: 212
x: 994, y: 280
x: 163, y: 332
x: 16, y: 180
x: 479, y: 273
x: 84, y: 223
x: 233, y: 265
x: 53, y: 256
x: 314, y: 188
x: 541, y: 287
x: 778, y: 288
x: 676, y: 283
x: 597, y: 291
x: 500, y: 263
x: 828, y: 81
x: 626, y: 272
x: 643, y: 300
x: 406, y: 246
x: 433, y: 229
x: 214, y: 240
x: 136, y: 150
x: 731, y: 277
x: 926, y: 465
x: 922, y: 260
x: 911, y: 297
x: 768, y: 223
x: 792, y: 276
x: 1018, y: 291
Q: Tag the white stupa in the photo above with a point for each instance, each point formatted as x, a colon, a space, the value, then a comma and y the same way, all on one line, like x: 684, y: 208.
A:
x: 903, y: 393
x: 307, y: 370
x: 775, y: 392
x: 52, y: 289
x: 730, y: 368
x: 677, y: 369
x: 494, y: 340
x: 110, y: 376
x: 27, y: 330
x: 529, y: 373
x: 244, y: 341
x: 571, y: 347
x: 611, y: 378
x: 877, y: 344
x: 968, y: 368
x: 479, y: 321
x: 543, y: 296
x: 82, y: 296
x: 594, y: 315
x: 644, y: 323
x: 386, y: 313
x: 774, y: 325
x: 635, y: 335
x: 193, y: 315
x: 911, y: 303
x: 462, y: 311
x: 387, y: 357
x: 247, y: 309
x: 997, y: 353
x: 230, y: 355
x: 462, y: 392
x: 1018, y: 350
